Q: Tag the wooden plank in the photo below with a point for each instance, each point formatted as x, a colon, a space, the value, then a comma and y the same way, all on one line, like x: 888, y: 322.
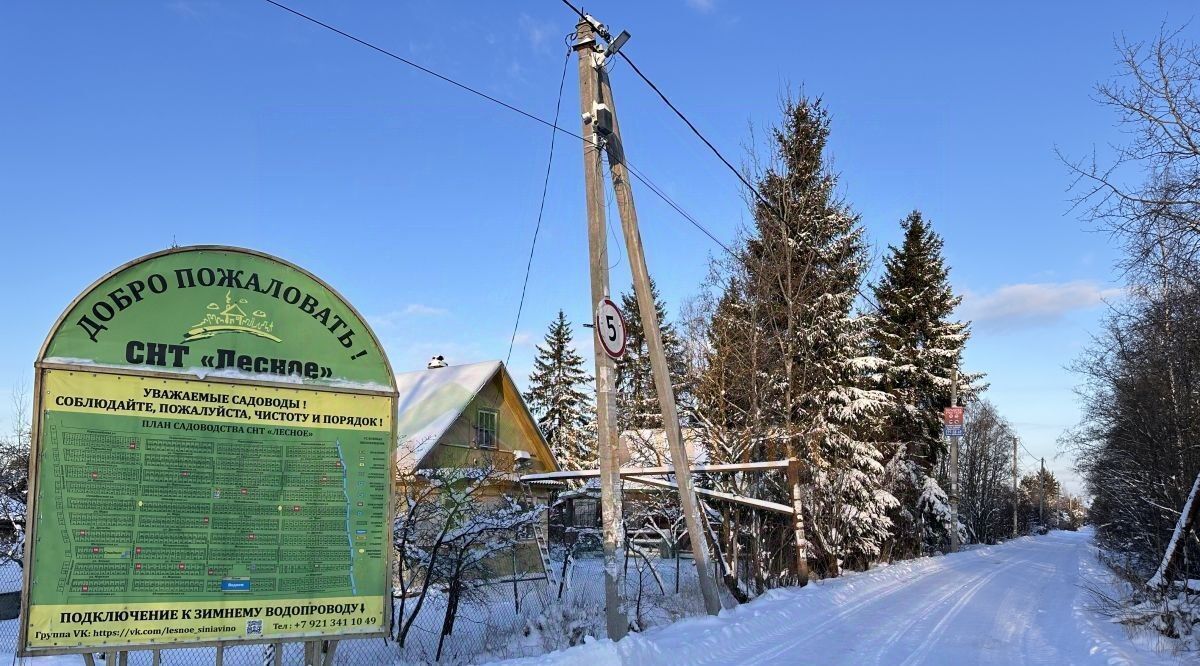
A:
x: 800, y: 539
x: 665, y: 469
x: 748, y: 501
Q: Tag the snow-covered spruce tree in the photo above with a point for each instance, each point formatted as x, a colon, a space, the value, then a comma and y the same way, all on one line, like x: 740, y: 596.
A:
x: 791, y: 296
x: 558, y: 397
x: 637, y: 399
x: 914, y: 333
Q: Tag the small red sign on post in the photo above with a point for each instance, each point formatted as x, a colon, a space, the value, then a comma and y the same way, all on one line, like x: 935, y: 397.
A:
x: 952, y: 422
x: 953, y: 416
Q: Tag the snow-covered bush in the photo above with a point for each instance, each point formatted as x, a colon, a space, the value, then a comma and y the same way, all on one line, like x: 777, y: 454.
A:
x: 1175, y: 614
x: 562, y: 623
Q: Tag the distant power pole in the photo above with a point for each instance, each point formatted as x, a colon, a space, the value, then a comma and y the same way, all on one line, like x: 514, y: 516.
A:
x: 1042, y: 501
x: 954, y: 466
x: 606, y: 412
x: 1014, y: 486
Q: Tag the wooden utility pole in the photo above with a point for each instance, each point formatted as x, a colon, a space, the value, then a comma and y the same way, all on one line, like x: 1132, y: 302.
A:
x: 954, y: 466
x: 606, y: 425
x: 1014, y: 474
x: 658, y: 359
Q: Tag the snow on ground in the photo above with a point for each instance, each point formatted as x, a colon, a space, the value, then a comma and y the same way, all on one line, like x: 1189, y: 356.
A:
x: 1023, y: 602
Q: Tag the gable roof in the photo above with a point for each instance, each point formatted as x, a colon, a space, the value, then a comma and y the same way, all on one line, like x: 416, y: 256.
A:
x: 430, y: 401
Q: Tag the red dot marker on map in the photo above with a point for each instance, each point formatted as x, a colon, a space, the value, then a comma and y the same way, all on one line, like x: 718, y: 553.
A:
x: 82, y: 532
x: 95, y: 550
x: 182, y: 566
x: 250, y: 536
x: 183, y: 473
x: 210, y: 572
x: 324, y: 479
x: 85, y: 588
x: 206, y: 520
x: 137, y: 551
x: 133, y: 445
x: 137, y: 566
x: 95, y: 475
x: 296, y: 508
x: 244, y: 491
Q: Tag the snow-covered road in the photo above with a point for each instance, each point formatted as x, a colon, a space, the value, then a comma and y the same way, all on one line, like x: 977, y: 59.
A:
x: 1023, y: 602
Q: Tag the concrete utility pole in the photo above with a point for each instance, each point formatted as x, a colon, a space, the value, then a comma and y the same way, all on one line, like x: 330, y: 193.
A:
x: 606, y: 424
x: 1014, y: 486
x: 954, y: 466
x: 650, y: 324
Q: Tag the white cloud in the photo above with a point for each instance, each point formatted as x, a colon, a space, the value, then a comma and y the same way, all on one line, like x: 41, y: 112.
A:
x: 1033, y: 304
x: 536, y: 32
x: 705, y: 6
x: 396, y: 319
x: 190, y: 8
x: 422, y: 310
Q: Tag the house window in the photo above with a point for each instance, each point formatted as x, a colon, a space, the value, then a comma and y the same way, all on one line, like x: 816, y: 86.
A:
x: 485, y: 429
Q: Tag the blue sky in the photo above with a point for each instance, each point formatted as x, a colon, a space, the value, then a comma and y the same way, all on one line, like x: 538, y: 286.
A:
x: 127, y: 127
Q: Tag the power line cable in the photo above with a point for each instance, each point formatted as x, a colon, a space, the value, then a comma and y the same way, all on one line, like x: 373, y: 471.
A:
x: 661, y: 195
x: 740, y: 176
x: 553, y: 125
x: 422, y: 68
x: 541, y: 209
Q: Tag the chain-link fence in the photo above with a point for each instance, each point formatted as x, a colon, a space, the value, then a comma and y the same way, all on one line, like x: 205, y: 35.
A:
x: 496, y: 621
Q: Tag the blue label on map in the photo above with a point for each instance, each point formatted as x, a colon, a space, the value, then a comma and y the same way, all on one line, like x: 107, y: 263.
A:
x: 235, y: 585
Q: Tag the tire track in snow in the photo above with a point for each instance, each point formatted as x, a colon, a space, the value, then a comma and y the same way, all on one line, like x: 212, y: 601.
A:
x: 918, y: 656
x: 922, y: 614
x: 876, y: 595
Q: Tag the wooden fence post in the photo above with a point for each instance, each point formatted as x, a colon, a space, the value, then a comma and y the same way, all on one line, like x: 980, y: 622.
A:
x: 793, y: 481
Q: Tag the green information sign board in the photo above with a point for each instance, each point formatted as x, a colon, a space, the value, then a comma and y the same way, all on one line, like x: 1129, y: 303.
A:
x: 212, y: 461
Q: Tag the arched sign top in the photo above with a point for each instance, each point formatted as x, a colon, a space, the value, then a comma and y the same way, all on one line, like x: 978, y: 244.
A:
x: 224, y: 312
